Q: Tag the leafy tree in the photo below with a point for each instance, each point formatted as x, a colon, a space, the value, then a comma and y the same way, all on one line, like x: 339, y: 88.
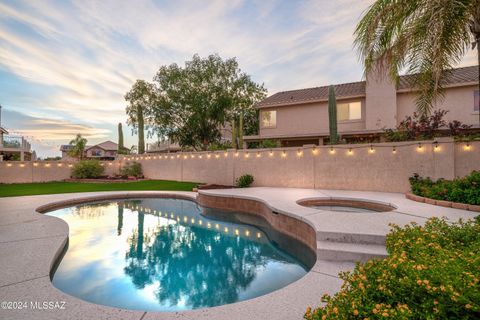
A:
x: 194, y: 102
x: 78, y: 147
x: 141, y: 99
x: 422, y: 36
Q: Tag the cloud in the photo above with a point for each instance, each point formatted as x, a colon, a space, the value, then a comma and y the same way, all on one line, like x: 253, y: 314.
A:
x: 46, y: 135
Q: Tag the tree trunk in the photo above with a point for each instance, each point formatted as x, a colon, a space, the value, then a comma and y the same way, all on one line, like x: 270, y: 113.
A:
x: 141, y: 129
x: 234, y: 135
x: 240, y: 132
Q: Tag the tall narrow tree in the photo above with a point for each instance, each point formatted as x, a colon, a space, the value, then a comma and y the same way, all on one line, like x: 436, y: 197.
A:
x: 422, y: 37
x: 141, y: 98
x: 332, y: 115
x: 121, y: 147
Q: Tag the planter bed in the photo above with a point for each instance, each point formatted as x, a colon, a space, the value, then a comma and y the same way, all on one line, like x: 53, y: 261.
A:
x: 443, y: 203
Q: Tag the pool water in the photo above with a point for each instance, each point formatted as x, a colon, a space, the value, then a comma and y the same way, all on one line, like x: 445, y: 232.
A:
x: 164, y: 255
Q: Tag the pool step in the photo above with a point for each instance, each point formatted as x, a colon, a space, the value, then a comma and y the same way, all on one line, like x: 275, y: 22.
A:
x: 351, y: 237
x: 343, y: 251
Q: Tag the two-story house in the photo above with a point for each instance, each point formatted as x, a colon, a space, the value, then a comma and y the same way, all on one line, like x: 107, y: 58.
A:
x: 106, y: 150
x: 364, y: 108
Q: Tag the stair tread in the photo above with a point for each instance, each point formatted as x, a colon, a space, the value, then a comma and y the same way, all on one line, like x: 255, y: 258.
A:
x: 352, y: 247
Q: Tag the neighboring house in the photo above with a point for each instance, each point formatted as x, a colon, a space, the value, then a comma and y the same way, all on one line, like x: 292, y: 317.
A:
x: 14, y: 147
x: 107, y: 150
x: 65, y: 149
x: 364, y: 108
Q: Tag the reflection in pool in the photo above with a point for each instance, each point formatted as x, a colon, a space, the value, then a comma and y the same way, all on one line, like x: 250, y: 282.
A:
x: 162, y: 254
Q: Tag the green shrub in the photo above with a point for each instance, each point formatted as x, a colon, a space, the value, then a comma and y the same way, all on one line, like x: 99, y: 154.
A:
x: 244, y: 181
x: 463, y: 190
x: 432, y: 272
x: 133, y: 169
x: 87, y: 169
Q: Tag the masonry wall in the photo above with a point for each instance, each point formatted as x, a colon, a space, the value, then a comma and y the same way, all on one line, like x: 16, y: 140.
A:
x: 354, y: 167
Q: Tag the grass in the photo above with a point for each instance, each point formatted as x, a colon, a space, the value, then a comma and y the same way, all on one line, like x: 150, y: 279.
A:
x: 27, y: 189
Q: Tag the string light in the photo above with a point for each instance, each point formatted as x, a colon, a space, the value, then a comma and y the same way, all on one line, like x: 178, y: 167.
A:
x: 47, y: 165
x: 435, y: 146
x: 284, y: 154
x: 172, y: 157
x: 185, y: 157
x: 35, y: 164
x: 192, y: 156
x: 371, y: 150
x: 420, y: 147
x: 467, y: 147
x: 258, y: 154
x: 209, y: 155
x: 350, y: 151
x: 247, y: 155
x: 217, y: 156
x: 200, y: 157
x: 9, y: 164
x: 259, y: 235
x: 59, y: 164
x: 225, y: 154
x: 22, y: 165
x: 236, y: 232
x: 225, y: 229
x: 299, y: 153
x: 394, y: 150
x: 178, y: 156
x: 314, y: 151
x: 332, y: 151
x: 247, y: 233
x: 270, y: 153
x: 236, y: 154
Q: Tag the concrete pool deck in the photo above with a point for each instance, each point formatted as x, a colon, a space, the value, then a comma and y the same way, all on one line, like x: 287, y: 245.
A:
x: 30, y: 243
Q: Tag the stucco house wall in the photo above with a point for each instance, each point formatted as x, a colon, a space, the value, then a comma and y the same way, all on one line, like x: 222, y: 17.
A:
x: 458, y: 100
x: 312, y: 118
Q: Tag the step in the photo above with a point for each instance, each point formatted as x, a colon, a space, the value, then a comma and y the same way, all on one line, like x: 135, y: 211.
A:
x: 342, y: 251
x: 351, y: 237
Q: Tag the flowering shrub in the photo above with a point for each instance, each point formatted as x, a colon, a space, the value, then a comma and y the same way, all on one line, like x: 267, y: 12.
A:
x: 464, y: 190
x: 422, y: 126
x: 432, y: 272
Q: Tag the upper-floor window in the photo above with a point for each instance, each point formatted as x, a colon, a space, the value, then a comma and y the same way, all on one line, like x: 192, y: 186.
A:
x: 349, y: 111
x: 269, y: 119
x: 96, y: 153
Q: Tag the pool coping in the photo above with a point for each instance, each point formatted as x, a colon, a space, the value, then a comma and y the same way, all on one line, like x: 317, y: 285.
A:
x: 30, y: 243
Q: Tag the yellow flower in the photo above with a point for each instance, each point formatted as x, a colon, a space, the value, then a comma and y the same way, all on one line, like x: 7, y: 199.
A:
x: 355, y: 312
x: 468, y: 306
x: 419, y: 282
x: 335, y: 310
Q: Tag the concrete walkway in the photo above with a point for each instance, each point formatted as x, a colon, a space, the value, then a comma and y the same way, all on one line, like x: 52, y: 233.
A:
x: 30, y: 243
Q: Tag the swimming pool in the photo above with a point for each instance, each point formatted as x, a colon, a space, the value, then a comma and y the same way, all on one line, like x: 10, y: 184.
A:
x: 169, y: 255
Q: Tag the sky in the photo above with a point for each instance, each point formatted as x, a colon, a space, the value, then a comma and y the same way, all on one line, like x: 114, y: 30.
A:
x: 65, y: 66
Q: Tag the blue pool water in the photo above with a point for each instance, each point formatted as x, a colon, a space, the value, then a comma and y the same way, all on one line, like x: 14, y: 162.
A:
x: 165, y: 255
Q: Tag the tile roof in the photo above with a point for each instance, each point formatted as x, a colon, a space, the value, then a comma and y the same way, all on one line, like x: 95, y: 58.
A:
x: 107, y: 145
x: 356, y: 89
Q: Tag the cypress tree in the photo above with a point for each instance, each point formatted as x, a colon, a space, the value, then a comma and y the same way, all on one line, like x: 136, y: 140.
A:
x: 141, y: 128
x: 332, y: 115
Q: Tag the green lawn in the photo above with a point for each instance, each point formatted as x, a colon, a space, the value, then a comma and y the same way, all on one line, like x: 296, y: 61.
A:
x: 26, y: 189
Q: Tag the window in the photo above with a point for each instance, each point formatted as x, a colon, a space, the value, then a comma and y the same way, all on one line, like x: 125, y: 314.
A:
x: 269, y: 119
x: 349, y: 111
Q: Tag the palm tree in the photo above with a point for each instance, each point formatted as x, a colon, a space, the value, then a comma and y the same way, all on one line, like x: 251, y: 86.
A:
x: 78, y: 146
x: 426, y: 37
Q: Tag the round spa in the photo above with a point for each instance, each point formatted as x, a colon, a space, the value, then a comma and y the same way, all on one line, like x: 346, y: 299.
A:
x: 346, y: 205
x: 163, y: 254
